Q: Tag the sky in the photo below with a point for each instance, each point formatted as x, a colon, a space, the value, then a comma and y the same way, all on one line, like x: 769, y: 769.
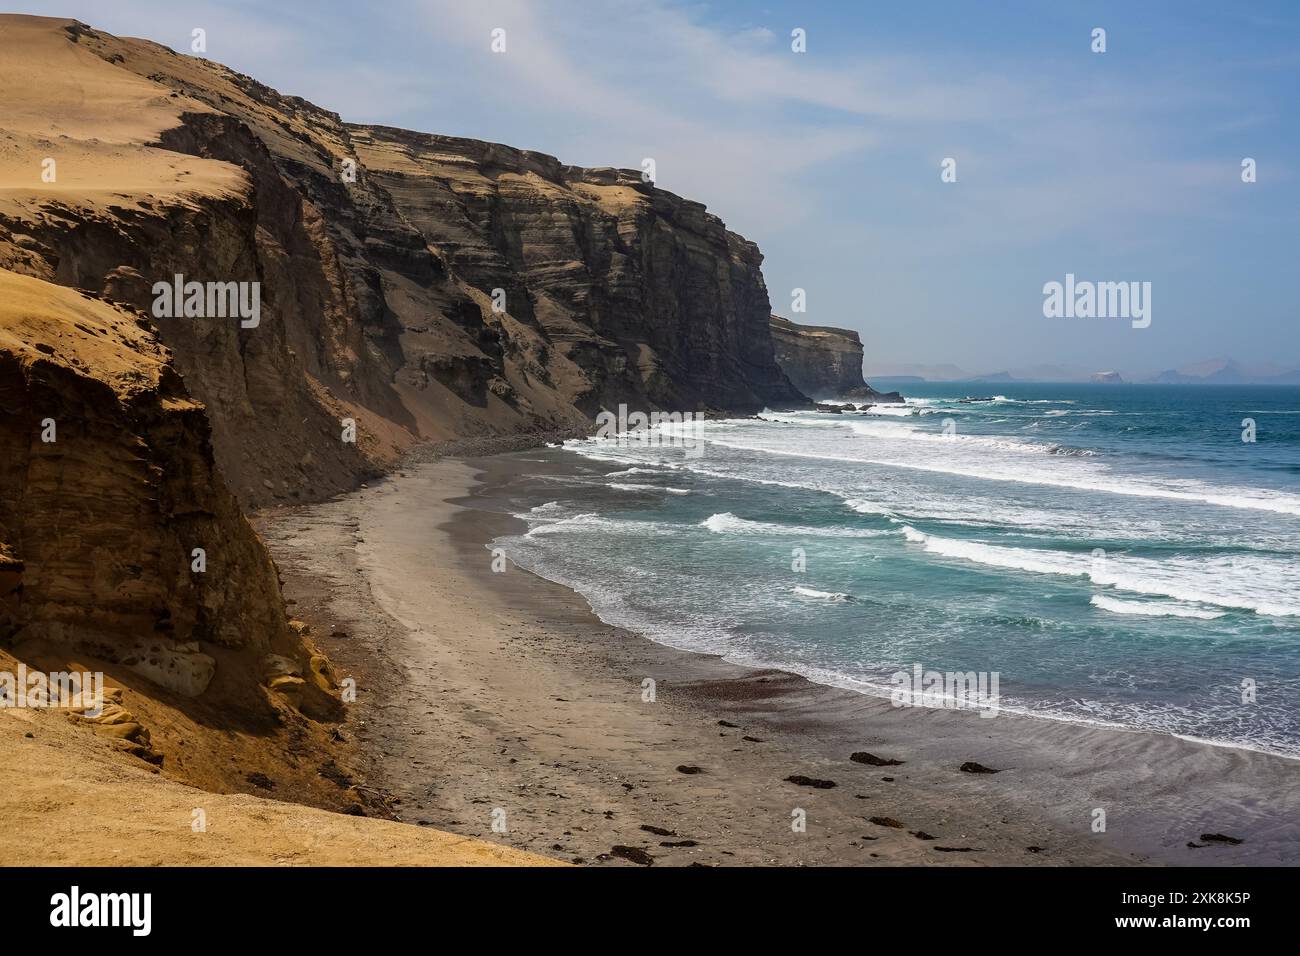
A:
x: 1115, y: 166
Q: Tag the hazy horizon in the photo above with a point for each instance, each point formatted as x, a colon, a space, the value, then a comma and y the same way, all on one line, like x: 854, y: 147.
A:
x: 1122, y: 166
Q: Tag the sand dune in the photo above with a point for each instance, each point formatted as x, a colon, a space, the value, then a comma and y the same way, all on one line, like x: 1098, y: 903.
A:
x: 68, y: 798
x: 95, y: 120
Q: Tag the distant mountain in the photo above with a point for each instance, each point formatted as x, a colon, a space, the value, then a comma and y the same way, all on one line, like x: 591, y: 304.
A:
x: 1227, y: 371
x: 954, y: 373
x: 1216, y: 371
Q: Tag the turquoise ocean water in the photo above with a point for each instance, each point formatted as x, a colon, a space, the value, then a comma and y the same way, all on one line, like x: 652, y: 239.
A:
x: 1117, y: 554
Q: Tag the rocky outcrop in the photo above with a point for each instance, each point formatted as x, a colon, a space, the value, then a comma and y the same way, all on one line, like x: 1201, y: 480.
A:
x: 823, y: 362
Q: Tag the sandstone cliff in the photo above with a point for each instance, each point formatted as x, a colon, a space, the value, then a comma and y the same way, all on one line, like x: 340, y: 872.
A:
x: 123, y: 552
x: 109, y: 485
x: 646, y: 297
x: 377, y: 252
x: 823, y: 362
x: 409, y: 287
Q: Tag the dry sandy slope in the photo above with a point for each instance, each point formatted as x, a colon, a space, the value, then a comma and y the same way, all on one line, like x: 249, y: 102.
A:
x: 94, y: 119
x: 67, y: 798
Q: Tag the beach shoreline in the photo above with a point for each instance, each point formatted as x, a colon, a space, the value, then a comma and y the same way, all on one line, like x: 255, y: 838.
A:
x: 499, y: 699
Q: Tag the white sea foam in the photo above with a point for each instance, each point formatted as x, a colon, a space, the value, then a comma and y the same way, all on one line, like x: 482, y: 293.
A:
x: 835, y: 597
x: 986, y: 506
x: 893, y: 431
x: 1152, y: 608
x: 1252, y: 584
x: 619, y: 486
x: 727, y: 523
x: 635, y: 471
x: 1076, y: 473
x: 589, y: 522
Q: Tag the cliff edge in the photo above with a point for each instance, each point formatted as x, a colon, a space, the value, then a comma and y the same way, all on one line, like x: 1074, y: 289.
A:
x: 823, y: 362
x: 415, y: 287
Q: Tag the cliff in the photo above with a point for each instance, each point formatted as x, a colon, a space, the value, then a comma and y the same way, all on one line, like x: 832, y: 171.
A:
x: 109, y: 484
x: 638, y: 295
x: 823, y: 362
x: 123, y: 552
x: 343, y: 293
x: 377, y: 253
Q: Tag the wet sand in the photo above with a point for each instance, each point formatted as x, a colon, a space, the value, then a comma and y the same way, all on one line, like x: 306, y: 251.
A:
x: 497, y: 705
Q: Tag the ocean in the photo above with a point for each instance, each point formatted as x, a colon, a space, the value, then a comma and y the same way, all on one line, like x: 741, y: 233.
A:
x: 1116, y: 554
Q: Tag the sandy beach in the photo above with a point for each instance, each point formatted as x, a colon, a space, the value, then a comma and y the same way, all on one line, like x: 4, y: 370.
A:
x: 497, y: 705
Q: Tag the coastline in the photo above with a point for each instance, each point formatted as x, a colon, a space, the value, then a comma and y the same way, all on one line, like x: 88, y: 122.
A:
x: 482, y: 692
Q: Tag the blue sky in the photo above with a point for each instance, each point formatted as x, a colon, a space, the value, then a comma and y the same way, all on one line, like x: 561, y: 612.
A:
x: 1115, y: 166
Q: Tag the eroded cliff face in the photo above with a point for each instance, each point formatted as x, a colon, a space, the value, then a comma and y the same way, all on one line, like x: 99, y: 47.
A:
x: 376, y: 256
x: 108, y: 486
x: 118, y: 214
x: 123, y: 552
x: 377, y: 253
x: 823, y: 362
x: 647, y: 296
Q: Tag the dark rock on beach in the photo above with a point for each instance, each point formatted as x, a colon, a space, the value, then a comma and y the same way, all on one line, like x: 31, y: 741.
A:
x: 633, y: 854
x: 802, y: 781
x: 873, y: 761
